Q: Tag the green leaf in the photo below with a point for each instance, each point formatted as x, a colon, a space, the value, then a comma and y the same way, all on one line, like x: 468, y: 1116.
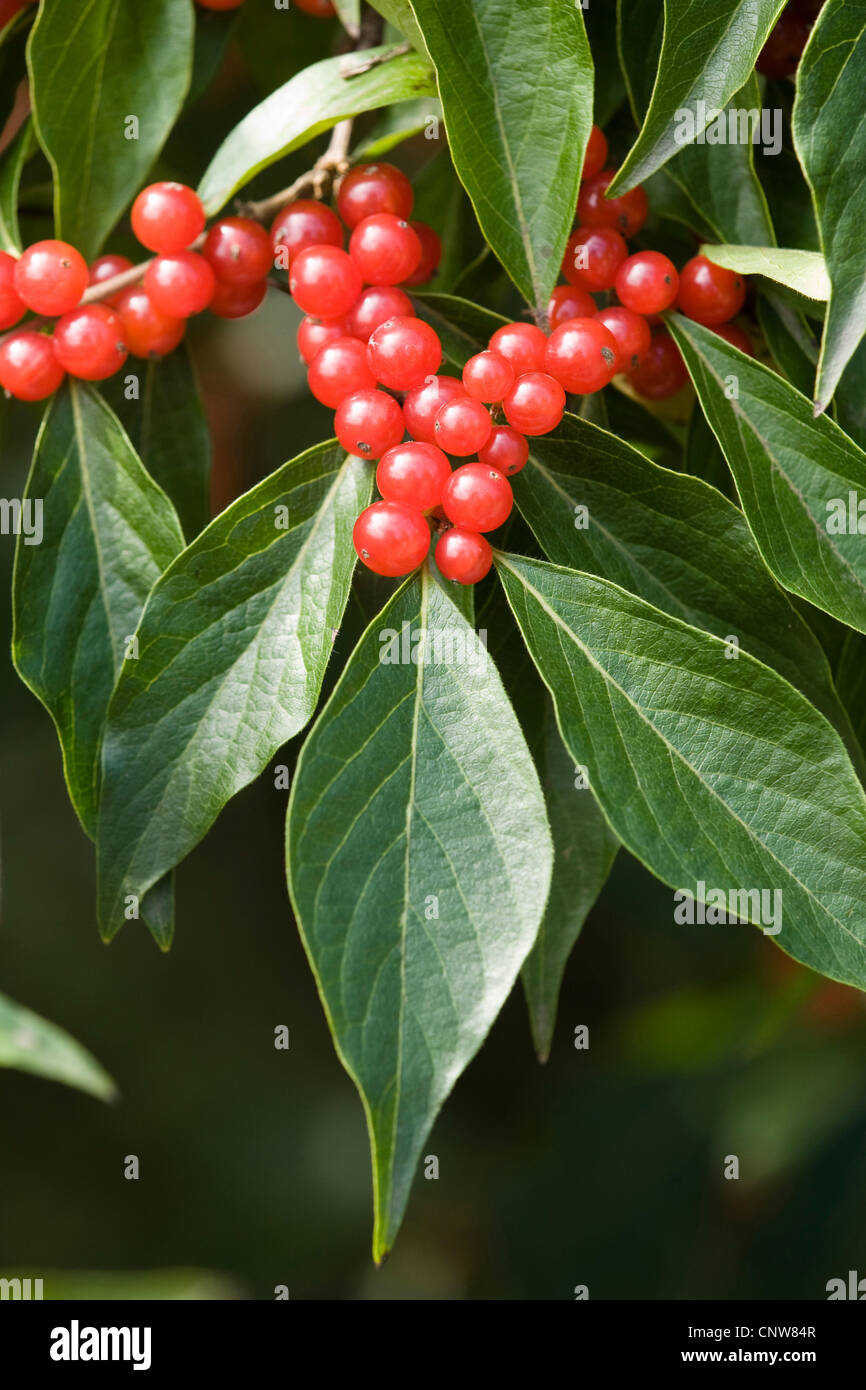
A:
x: 802, y: 271
x: 419, y: 861
x: 11, y: 165
x: 850, y: 399
x: 30, y: 1043
x: 396, y: 124
x: 349, y: 12
x: 441, y: 202
x: 793, y: 473
x: 712, y: 772
x: 609, y: 93
x: 91, y: 68
x: 399, y: 13
x: 789, y: 340
x: 504, y: 67
x: 708, y: 53
x: 233, y: 647
x: 851, y: 682
x: 639, y: 30
x: 827, y: 122
x: 311, y: 102
x: 108, y: 533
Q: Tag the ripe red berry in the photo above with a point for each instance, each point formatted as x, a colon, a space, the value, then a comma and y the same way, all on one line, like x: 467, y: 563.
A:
x: 736, y: 336
x: 89, y: 342
x: 180, y: 285
x: 403, y: 353
x: 462, y: 426
x: 662, y: 372
x: 522, y: 344
x: 569, y: 302
x: 709, y: 293
x: 626, y: 214
x: 413, y: 473
x: 385, y: 249
x: 477, y: 497
x: 647, y: 282
x: 488, y: 376
x: 301, y: 224
x: 431, y: 254
x: 464, y: 556
x: 596, y: 154
x: 236, y: 301
x: 369, y: 423
x: 167, y: 217
x: 51, y: 277
x: 146, y: 331
x: 391, y: 538
x: 582, y: 355
x: 339, y: 370
x: 238, y: 251
x: 592, y: 258
x: 223, y: 4
x: 376, y: 304
x: 314, y: 334
x: 506, y: 450
x: 319, y: 9
x: 105, y: 268
x: 422, y: 405
x: 535, y: 404
x: 324, y: 281
x: 631, y: 333
x: 12, y: 306
x: 369, y: 189
x: 28, y: 368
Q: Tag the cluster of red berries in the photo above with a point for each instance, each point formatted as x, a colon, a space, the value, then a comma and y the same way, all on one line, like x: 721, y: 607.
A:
x: 322, y: 9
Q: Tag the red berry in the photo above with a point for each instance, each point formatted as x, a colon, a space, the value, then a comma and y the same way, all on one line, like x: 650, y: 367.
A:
x: 462, y: 426
x: 339, y: 370
x: 736, y: 336
x: 301, y: 224
x: 403, y: 353
x: 236, y: 301
x: 647, y: 282
x: 369, y: 423
x: 376, y: 304
x: 582, y: 355
x: 391, y: 538
x: 324, y: 281
x: 222, y: 4
x: 464, y: 556
x: 314, y: 334
x: 89, y: 342
x: 506, y: 450
x: 105, y: 268
x: 180, y: 285
x: 596, y: 154
x: 787, y: 39
x: 709, y: 293
x: 167, y: 217
x: 28, y: 368
x: 662, y: 372
x: 51, y: 277
x: 369, y: 189
x: 488, y: 376
x: 413, y: 473
x: 626, y: 214
x: 12, y: 306
x: 431, y: 254
x: 522, y: 344
x: 320, y: 9
x: 569, y: 302
x: 422, y: 405
x: 631, y: 333
x: 385, y: 249
x: 477, y: 497
x: 535, y: 404
x: 592, y: 258
x: 238, y: 251
x: 147, y: 332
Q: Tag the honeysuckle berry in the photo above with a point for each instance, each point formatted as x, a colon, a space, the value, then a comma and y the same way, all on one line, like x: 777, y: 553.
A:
x: 569, y: 302
x: 662, y: 371
x: 414, y: 473
x: 385, y: 249
x: 374, y: 305
x: 105, y: 268
x: 369, y: 189
x: 89, y: 342
x: 319, y: 9
x: 422, y: 405
x: 709, y: 293
x: 463, y: 556
x: 50, y: 277
x: 593, y: 256
x: 403, y: 352
x: 391, y: 538
x: 230, y: 301
x: 462, y: 426
x: 631, y: 333
x: 304, y: 223
x: 626, y: 213
x: 736, y: 336
x: 181, y: 284
x: 596, y: 154
x: 29, y: 369
x: 647, y: 282
x: 324, y: 281
x: 581, y: 355
x: 477, y: 497
x: 314, y: 334
x: 488, y: 376
x: 431, y: 254
x: 238, y: 251
x: 147, y: 332
x: 340, y: 369
x: 12, y: 306
x: 167, y: 217
x: 535, y: 403
x: 221, y: 4
x: 369, y: 423
x: 522, y: 344
x: 507, y: 450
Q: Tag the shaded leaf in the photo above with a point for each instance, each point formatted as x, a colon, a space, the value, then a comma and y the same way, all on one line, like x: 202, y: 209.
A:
x: 11, y: 164
x: 30, y: 1043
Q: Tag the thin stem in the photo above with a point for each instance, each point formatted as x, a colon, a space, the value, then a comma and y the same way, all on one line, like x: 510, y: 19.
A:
x: 333, y: 162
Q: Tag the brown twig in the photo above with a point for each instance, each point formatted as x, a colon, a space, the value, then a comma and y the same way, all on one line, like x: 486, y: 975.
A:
x: 334, y: 162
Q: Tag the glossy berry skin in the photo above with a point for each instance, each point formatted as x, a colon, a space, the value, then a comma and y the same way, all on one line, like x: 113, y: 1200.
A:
x: 647, y: 282
x: 324, y: 281
x: 105, y: 268
x: 662, y: 372
x: 403, y: 353
x: 582, y: 355
x: 535, y: 404
x: 431, y: 254
x: 422, y: 405
x: 339, y: 370
x: 391, y: 538
x: 146, y: 331
x: 521, y: 344
x: 238, y: 251
x: 51, y: 277
x: 626, y: 214
x: 374, y: 305
x: 569, y: 302
x: 463, y: 556
x: 488, y: 377
x: 462, y: 426
x: 221, y: 4
x: 314, y: 334
x: 507, y: 450
x: 301, y: 224
x: 385, y: 249
x: 736, y: 336
x: 369, y: 189
x: 369, y: 423
x: 89, y: 342
x: 180, y: 285
x: 319, y: 9
x: 167, y: 217
x: 236, y: 301
x: 592, y: 258
x: 630, y: 331
x: 29, y: 369
x: 12, y: 306
x: 709, y: 293
x: 596, y: 154
x: 413, y: 473
x: 477, y: 497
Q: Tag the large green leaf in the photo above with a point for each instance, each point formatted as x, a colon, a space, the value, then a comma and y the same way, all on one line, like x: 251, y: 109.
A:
x: 233, y: 647
x: 11, y: 165
x: 515, y: 79
x: 794, y: 473
x: 399, y: 13
x: 311, y: 102
x: 828, y: 133
x: 30, y: 1043
x: 712, y: 772
x: 93, y: 68
x: 419, y: 861
x: 802, y: 271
